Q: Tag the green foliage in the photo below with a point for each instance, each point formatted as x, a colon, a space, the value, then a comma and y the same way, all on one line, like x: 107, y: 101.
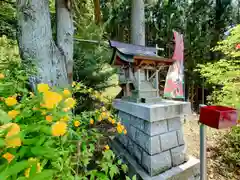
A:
x: 224, y: 76
x: 8, y: 51
x: 8, y: 21
x: 35, y: 146
x: 91, y: 55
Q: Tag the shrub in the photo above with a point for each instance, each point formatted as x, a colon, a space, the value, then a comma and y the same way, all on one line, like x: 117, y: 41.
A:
x: 41, y: 138
x: 8, y: 52
x: 224, y: 76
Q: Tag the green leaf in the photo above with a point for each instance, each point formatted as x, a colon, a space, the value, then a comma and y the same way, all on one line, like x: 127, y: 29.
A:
x: 23, y: 150
x: 2, y: 143
x: 44, y: 162
x: 84, y: 146
x: 91, y: 147
x: 33, y: 170
x: 128, y: 178
x: 43, y: 151
x: 41, y: 140
x: 119, y: 162
x: 22, y: 178
x: 113, y: 171
x: 104, y: 167
x: 14, y: 169
x: 47, y: 174
x: 101, y: 176
x: 124, y: 168
x: 134, y: 177
x: 4, y: 118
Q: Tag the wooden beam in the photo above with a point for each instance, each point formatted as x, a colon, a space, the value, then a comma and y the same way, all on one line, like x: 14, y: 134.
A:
x: 152, y: 76
x: 154, y: 58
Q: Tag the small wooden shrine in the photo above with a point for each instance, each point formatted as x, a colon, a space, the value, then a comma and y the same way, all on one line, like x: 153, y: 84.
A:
x: 138, y: 70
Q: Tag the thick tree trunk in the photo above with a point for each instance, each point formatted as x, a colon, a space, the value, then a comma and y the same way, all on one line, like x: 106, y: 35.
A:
x: 138, y: 23
x: 65, y: 33
x: 36, y: 43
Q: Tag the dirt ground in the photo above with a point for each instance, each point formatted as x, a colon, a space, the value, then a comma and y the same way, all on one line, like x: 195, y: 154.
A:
x: 192, y: 138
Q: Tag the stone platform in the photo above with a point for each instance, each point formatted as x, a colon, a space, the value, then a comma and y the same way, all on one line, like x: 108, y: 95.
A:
x: 155, y: 136
x: 186, y: 171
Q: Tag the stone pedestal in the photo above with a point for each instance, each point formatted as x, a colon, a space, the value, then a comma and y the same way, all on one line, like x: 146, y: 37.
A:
x: 155, y: 136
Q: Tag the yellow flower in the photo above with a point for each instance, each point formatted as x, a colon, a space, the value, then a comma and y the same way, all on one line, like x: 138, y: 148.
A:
x: 104, y: 115
x: 59, y: 128
x: 100, y: 118
x: 44, y: 112
x: 38, y: 167
x: 8, y: 156
x: 2, y: 76
x: 66, y: 109
x: 49, y: 118
x: 106, y: 148
x: 13, y: 142
x: 31, y: 94
x: 113, y: 121
x: 32, y: 160
x: 35, y: 109
x: 73, y: 83
x: 27, y: 171
x: 76, y: 123
x: 120, y: 128
x: 12, y: 139
x: 13, y: 113
x: 66, y: 93
x: 109, y: 119
x: 65, y: 118
x: 51, y: 99
x: 70, y: 102
x: 125, y: 131
x: 42, y: 87
x: 91, y: 121
x: 11, y: 101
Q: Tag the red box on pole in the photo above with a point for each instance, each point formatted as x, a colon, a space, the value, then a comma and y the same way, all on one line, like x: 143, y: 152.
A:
x: 218, y: 117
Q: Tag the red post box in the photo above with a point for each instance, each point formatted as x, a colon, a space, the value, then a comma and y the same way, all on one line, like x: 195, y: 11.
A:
x: 218, y: 117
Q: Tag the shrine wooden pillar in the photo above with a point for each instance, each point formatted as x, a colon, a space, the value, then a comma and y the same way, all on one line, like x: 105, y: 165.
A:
x: 157, y: 82
x: 139, y: 78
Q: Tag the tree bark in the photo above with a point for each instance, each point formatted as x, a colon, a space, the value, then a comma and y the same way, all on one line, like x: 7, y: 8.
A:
x: 97, y: 11
x: 36, y: 43
x: 65, y: 32
x: 138, y: 22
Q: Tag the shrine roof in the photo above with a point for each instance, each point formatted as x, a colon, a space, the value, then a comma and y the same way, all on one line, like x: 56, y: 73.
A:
x: 130, y: 52
x: 133, y: 50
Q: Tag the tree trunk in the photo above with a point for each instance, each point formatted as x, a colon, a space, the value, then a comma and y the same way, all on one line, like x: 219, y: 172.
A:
x: 36, y: 43
x: 138, y: 23
x: 65, y: 34
x: 97, y: 11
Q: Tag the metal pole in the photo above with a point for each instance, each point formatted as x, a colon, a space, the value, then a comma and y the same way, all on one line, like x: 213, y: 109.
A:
x: 203, y: 147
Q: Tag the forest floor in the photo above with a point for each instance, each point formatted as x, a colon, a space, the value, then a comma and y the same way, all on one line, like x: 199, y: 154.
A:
x: 217, y: 170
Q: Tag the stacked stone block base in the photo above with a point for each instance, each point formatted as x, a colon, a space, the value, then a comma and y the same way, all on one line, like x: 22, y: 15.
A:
x: 155, y: 136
